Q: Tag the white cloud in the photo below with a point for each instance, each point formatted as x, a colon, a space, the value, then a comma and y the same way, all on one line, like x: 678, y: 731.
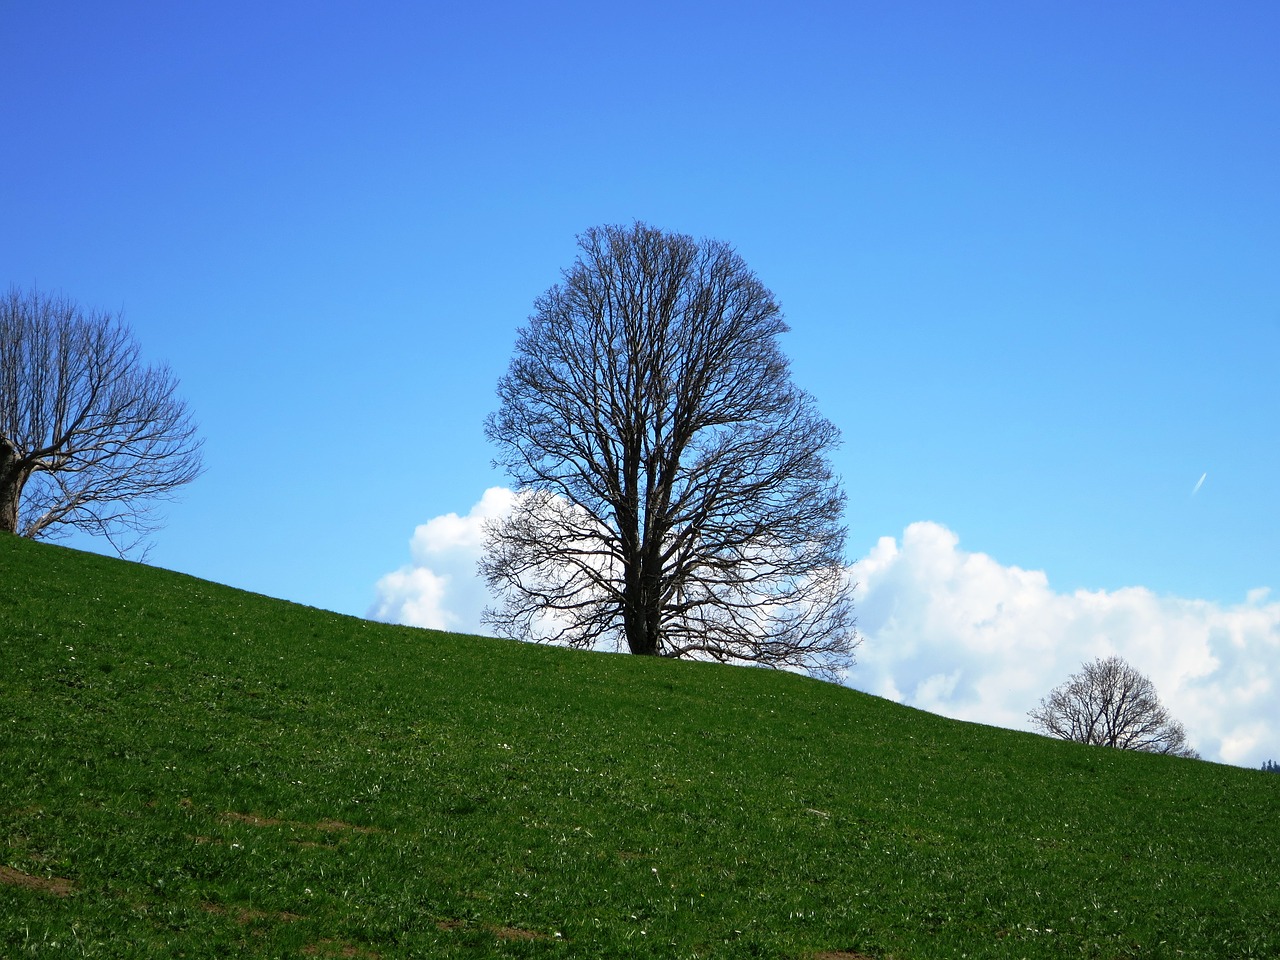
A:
x: 416, y: 596
x: 440, y: 588
x: 958, y: 633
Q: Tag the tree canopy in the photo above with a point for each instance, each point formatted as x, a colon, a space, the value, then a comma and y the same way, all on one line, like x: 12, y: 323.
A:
x: 675, y: 493
x: 1110, y: 704
x: 90, y: 436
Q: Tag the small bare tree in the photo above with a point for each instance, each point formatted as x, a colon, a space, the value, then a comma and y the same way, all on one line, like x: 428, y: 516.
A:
x: 1110, y: 704
x: 675, y: 491
x: 89, y: 436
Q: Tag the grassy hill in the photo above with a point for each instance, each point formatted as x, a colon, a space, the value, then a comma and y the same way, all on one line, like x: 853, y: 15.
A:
x: 190, y: 770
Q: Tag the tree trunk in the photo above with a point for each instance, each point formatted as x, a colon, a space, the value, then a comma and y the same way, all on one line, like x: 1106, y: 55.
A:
x: 643, y: 632
x: 642, y: 611
x: 13, y: 477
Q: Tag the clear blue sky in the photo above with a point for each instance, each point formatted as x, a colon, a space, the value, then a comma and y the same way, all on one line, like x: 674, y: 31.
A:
x: 1030, y: 253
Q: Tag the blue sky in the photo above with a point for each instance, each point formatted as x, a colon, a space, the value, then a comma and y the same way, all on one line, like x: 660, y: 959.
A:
x: 1030, y: 254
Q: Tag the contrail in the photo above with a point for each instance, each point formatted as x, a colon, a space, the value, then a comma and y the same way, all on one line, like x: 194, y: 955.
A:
x: 1199, y: 484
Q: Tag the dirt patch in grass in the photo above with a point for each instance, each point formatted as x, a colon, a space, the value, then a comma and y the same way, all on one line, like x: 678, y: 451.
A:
x: 331, y: 948
x: 515, y: 933
x: 501, y: 932
x: 333, y: 826
x: 325, y: 826
x: 251, y: 819
x: 245, y: 916
x: 55, y: 886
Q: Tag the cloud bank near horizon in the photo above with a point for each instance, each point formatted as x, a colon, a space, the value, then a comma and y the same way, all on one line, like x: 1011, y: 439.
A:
x: 957, y: 633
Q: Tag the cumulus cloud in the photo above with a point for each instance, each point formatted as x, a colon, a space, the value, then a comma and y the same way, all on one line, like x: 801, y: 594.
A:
x: 440, y: 589
x: 958, y: 633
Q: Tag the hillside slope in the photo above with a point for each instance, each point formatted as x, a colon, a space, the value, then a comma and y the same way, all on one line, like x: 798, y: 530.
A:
x: 190, y: 770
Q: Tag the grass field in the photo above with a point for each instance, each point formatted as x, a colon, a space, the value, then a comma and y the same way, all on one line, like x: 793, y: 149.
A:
x: 187, y: 770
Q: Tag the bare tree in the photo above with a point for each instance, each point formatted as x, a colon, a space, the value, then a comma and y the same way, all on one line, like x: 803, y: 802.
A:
x: 1110, y: 704
x: 89, y: 436
x: 674, y: 490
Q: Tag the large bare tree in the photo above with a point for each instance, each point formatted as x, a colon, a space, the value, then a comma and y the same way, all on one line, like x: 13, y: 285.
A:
x: 1109, y: 703
x: 675, y: 495
x: 89, y: 435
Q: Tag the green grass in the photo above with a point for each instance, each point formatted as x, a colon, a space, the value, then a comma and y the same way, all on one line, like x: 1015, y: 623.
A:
x: 190, y: 770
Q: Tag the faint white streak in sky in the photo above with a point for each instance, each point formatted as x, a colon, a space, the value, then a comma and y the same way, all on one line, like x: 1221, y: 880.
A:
x: 1199, y: 484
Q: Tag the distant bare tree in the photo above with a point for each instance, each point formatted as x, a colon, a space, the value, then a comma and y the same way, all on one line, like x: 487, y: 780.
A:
x: 89, y: 436
x: 1110, y: 704
x: 675, y: 491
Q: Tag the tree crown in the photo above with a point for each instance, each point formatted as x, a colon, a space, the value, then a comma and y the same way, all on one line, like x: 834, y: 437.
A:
x: 1109, y: 703
x: 677, y: 488
x: 90, y: 437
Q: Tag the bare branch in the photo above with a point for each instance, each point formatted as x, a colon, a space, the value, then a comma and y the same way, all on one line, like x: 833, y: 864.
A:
x: 677, y: 497
x: 90, y: 438
x: 1109, y: 703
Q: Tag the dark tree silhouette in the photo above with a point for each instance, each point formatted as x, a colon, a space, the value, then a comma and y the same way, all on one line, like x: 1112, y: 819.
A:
x: 1110, y: 704
x: 675, y: 494
x: 89, y: 436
